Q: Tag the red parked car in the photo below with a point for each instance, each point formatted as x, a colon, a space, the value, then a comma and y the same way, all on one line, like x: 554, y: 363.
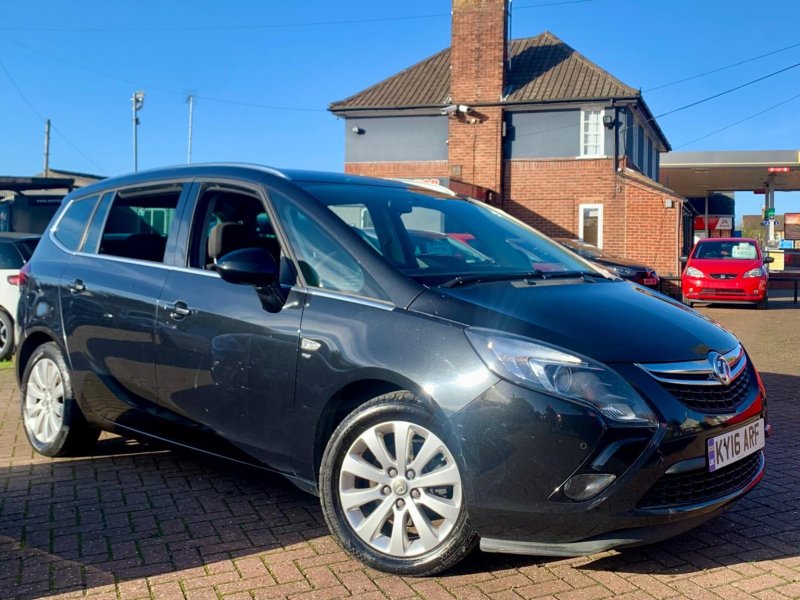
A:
x: 727, y: 270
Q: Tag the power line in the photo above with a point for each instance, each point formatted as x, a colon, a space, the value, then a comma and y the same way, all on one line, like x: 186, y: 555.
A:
x: 545, y: 4
x: 43, y: 119
x: 739, y: 122
x: 719, y: 69
x: 160, y: 88
x: 733, y: 89
x: 219, y: 27
x: 624, y: 129
x: 257, y: 26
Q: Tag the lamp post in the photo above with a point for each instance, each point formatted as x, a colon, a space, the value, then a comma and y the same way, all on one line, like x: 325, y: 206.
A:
x: 137, y: 101
x: 190, y: 102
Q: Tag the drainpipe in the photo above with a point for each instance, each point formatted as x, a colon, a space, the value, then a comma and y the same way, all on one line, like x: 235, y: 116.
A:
x: 616, y: 137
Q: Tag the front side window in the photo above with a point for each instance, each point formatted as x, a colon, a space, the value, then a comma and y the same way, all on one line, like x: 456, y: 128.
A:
x: 138, y: 223
x: 72, y: 224
x: 592, y: 133
x: 227, y: 219
x: 323, y: 261
x: 435, y: 238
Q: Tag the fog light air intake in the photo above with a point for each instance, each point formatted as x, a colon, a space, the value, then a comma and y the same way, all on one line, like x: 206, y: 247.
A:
x: 585, y: 486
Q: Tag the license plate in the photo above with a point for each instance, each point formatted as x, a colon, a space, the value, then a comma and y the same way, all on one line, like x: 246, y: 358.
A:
x: 650, y: 281
x: 727, y: 448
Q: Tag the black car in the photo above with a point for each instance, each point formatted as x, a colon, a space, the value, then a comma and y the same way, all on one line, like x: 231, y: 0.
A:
x: 631, y: 270
x: 432, y: 403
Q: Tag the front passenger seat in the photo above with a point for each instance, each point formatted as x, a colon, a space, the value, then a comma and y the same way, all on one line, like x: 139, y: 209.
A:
x: 227, y: 237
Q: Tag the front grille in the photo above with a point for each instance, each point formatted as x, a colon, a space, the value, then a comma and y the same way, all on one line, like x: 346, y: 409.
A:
x: 723, y: 275
x: 722, y: 291
x: 713, y: 399
x: 699, y: 486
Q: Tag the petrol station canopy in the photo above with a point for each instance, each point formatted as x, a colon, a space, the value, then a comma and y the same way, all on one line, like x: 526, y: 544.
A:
x: 697, y: 174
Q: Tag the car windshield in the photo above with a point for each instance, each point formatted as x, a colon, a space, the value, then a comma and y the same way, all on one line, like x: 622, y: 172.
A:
x: 436, y: 239
x: 727, y: 250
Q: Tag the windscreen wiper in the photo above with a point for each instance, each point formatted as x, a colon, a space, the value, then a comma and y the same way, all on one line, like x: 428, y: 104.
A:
x: 487, y: 277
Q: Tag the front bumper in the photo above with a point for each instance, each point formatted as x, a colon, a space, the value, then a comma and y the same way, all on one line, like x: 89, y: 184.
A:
x: 752, y: 289
x: 520, y: 446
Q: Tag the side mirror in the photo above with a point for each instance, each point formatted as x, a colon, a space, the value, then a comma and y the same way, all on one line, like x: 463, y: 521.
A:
x: 250, y: 266
x: 769, y: 259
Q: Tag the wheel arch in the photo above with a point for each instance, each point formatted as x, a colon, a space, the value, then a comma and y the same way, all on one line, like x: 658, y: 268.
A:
x: 351, y: 396
x: 32, y: 341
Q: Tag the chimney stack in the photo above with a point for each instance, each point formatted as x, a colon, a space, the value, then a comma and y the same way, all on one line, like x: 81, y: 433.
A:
x: 478, y: 55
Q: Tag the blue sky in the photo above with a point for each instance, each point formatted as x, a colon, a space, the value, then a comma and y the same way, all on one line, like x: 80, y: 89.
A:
x: 77, y: 63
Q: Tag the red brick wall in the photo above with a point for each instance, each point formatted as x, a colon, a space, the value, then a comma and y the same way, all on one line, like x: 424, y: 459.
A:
x: 475, y: 148
x: 477, y: 75
x: 478, y: 49
x: 547, y: 194
x: 653, y: 232
x: 400, y: 170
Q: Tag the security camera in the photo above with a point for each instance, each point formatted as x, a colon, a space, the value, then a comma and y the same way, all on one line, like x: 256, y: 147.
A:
x: 456, y: 108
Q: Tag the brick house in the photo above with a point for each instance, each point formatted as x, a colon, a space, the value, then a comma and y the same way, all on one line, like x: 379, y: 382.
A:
x: 529, y: 125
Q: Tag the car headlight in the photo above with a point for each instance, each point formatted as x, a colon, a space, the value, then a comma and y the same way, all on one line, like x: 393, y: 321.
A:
x: 622, y: 271
x: 692, y: 272
x: 555, y: 371
x: 757, y: 272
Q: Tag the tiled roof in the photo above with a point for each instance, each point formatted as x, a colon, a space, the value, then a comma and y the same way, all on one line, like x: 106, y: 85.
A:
x: 543, y: 69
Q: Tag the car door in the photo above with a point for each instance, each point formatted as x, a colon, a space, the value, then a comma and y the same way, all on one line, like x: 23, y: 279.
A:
x: 109, y: 292
x: 225, y: 363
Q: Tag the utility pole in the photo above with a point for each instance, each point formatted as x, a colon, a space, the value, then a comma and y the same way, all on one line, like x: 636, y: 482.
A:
x: 190, y: 101
x: 137, y: 101
x: 47, y: 148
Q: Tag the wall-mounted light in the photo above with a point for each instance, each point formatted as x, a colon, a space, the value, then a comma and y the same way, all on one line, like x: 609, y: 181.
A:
x: 357, y: 130
x: 608, y: 121
x: 669, y: 203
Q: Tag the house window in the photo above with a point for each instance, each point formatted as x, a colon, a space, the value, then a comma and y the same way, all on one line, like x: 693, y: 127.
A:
x: 592, y: 133
x: 590, y: 224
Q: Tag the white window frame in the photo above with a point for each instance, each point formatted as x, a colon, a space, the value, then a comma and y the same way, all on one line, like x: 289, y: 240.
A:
x: 599, y: 207
x: 602, y: 133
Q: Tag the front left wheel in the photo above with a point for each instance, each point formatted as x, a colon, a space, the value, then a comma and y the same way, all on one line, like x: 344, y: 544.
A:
x: 391, y: 489
x: 52, y: 419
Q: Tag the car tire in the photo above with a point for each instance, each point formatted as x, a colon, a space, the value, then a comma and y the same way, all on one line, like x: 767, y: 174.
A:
x: 762, y: 304
x: 388, y: 519
x: 6, y: 335
x: 686, y: 301
x: 51, y: 417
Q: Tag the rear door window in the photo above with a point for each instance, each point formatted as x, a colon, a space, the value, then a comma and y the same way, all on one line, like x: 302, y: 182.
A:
x: 139, y: 222
x: 72, y: 225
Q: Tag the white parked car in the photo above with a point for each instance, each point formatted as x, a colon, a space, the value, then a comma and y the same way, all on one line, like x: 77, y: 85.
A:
x: 15, y: 250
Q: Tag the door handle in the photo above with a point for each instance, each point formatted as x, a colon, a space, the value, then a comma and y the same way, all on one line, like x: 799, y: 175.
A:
x: 179, y: 310
x: 77, y: 286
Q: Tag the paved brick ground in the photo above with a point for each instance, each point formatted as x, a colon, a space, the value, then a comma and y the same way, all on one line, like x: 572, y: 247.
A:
x: 141, y: 522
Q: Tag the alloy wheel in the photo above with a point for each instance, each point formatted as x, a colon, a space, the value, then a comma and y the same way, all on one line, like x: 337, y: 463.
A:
x: 400, y: 489
x: 44, y: 401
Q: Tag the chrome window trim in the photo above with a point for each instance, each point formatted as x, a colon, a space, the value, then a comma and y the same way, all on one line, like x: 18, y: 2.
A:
x: 132, y: 261
x: 335, y: 295
x: 676, y: 373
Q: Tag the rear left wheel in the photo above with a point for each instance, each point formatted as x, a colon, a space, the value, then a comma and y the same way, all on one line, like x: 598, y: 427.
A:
x: 51, y: 417
x: 391, y: 489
